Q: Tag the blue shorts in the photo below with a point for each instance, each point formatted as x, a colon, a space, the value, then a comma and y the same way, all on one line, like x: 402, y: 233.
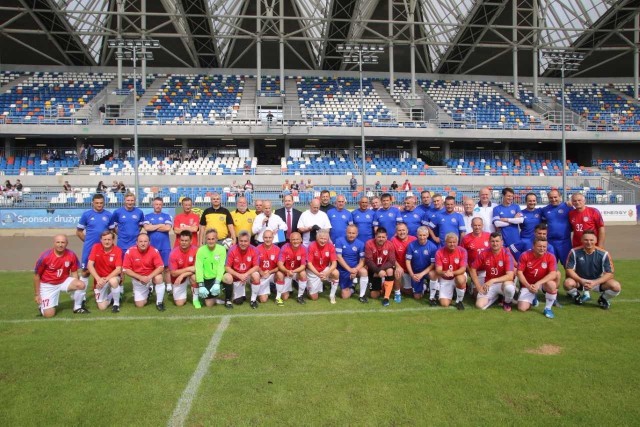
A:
x: 345, y: 279
x: 419, y: 287
x: 164, y: 254
x: 86, y: 250
x: 562, y: 249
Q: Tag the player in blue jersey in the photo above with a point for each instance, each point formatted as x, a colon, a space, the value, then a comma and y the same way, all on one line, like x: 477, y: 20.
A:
x: 363, y: 219
x: 126, y: 222
x: 507, y: 218
x: 429, y: 217
x: 532, y: 217
x: 340, y: 218
x: 350, y: 253
x: 387, y: 216
x: 421, y: 257
x: 446, y: 222
x: 411, y: 215
x: 556, y: 215
x: 425, y: 202
x: 89, y: 229
x: 158, y: 224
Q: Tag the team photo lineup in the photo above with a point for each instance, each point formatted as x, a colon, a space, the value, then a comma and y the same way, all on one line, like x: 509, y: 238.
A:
x: 418, y: 246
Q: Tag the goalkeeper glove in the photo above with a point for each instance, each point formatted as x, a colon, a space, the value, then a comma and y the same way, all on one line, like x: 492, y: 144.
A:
x: 202, y: 291
x: 215, y: 289
x: 169, y: 288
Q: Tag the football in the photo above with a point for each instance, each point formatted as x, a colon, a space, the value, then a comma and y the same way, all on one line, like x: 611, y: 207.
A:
x: 227, y: 243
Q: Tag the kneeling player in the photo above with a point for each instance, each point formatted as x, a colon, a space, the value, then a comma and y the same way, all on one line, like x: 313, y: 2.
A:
x: 57, y: 271
x: 402, y: 280
x: 420, y: 264
x: 350, y: 253
x: 451, y: 267
x: 210, y: 262
x: 537, y: 270
x: 105, y: 265
x: 144, y: 265
x: 182, y: 261
x: 292, y: 265
x: 380, y: 258
x: 497, y: 263
x: 268, y: 254
x: 321, y: 266
x: 242, y: 267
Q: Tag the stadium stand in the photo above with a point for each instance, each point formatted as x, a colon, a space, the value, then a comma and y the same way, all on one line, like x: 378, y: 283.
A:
x: 226, y: 165
x: 518, y: 167
x: 30, y: 165
x: 628, y: 168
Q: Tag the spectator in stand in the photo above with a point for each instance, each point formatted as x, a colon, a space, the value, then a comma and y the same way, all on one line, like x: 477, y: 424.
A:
x: 248, y: 186
x: 377, y: 186
x: 406, y: 186
x: 101, y: 188
x: 121, y: 188
x: 294, y: 186
x: 18, y: 185
x: 309, y: 184
x: 302, y: 186
x: 114, y: 186
x: 353, y: 183
x: 394, y: 186
x: 66, y: 187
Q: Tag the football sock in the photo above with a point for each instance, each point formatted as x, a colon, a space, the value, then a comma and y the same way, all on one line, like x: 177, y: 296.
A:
x: 397, y: 292
x: 85, y: 280
x: 160, y: 293
x: 301, y: 287
x: 279, y: 290
x: 254, y: 292
x: 228, y: 291
x: 572, y: 292
x: 388, y: 287
x: 509, y: 292
x: 460, y: 294
x: 609, y: 294
x: 364, y: 284
x: 115, y: 293
x: 433, y: 288
x: 121, y: 289
x: 549, y: 299
x: 78, y: 297
x: 334, y: 288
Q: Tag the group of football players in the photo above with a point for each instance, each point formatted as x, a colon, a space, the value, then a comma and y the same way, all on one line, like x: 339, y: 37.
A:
x: 380, y: 251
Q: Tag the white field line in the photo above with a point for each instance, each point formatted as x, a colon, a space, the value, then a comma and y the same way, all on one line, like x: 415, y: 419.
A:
x: 183, y: 407
x: 250, y: 314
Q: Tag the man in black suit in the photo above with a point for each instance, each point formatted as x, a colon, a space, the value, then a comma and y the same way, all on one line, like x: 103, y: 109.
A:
x: 292, y: 220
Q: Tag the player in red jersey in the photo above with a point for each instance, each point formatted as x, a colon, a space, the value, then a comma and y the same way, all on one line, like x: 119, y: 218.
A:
x: 186, y: 220
x: 582, y: 218
x: 241, y: 267
x: 105, y: 265
x: 537, y: 269
x: 57, y: 271
x: 292, y: 265
x: 182, y: 268
x: 321, y: 266
x: 144, y: 265
x: 498, y: 265
x: 451, y: 268
x: 268, y: 254
x: 402, y: 280
x: 474, y: 243
x: 380, y: 259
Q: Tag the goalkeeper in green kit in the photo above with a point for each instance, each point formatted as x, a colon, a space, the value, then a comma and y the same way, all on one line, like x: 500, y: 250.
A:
x: 210, y: 260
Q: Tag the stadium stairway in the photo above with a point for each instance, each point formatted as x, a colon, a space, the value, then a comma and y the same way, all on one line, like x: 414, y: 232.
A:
x: 291, y: 103
x: 248, y: 100
x: 389, y: 103
x: 528, y: 111
x: 152, y: 90
x: 17, y: 82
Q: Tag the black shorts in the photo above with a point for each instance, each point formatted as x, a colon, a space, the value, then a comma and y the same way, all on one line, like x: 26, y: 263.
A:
x: 208, y: 283
x: 375, y: 283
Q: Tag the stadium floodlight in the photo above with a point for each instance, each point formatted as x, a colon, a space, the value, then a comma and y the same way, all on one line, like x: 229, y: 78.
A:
x: 361, y: 53
x: 563, y: 61
x: 135, y: 49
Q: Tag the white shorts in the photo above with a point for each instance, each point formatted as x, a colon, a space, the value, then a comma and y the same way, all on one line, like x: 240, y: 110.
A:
x: 102, y: 294
x: 50, y: 294
x: 140, y: 290
x: 526, y: 295
x: 314, y: 283
x: 288, y: 283
x: 180, y: 291
x: 492, y: 293
x: 406, y: 281
x: 447, y: 287
x: 264, y: 287
x: 239, y: 290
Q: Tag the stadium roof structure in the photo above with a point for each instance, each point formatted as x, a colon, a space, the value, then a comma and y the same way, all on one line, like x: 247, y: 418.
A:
x: 428, y: 36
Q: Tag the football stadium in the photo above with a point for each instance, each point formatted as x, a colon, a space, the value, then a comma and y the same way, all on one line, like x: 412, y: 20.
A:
x: 319, y: 212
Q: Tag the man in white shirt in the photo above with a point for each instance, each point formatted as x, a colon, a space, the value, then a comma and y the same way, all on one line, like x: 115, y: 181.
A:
x: 484, y: 210
x: 311, y: 221
x: 267, y: 220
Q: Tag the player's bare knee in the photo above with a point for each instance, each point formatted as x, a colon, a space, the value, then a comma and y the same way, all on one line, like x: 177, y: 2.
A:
x: 523, y: 306
x: 417, y: 296
x: 313, y: 297
x: 445, y: 302
x: 49, y: 313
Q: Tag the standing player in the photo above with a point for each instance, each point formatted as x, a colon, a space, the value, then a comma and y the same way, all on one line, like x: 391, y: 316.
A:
x: 451, y: 267
x: 425, y: 205
x: 321, y: 266
x: 507, y: 218
x: 312, y: 220
x: 157, y: 224
x: 182, y: 269
x: 484, y: 209
x: 144, y: 265
x: 380, y: 258
x: 584, y: 217
x: 537, y: 269
x: 210, y: 262
x: 187, y: 220
x: 243, y: 217
x: 430, y: 217
x: 556, y: 215
x: 350, y: 254
x: 387, y: 216
x: 411, y: 215
x: 57, y: 271
x: 420, y: 264
x: 497, y: 263
x: 375, y: 204
x: 217, y: 217
x: 401, y: 279
x: 532, y: 216
x: 363, y: 219
x: 126, y: 222
x: 89, y: 229
x: 467, y: 214
x: 105, y: 265
x: 447, y: 222
x: 241, y: 267
x: 325, y: 201
x: 340, y: 218
x: 292, y: 265
x: 268, y: 254
x: 590, y: 268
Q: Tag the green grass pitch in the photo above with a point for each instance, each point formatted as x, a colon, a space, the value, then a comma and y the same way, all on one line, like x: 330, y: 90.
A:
x: 320, y: 364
